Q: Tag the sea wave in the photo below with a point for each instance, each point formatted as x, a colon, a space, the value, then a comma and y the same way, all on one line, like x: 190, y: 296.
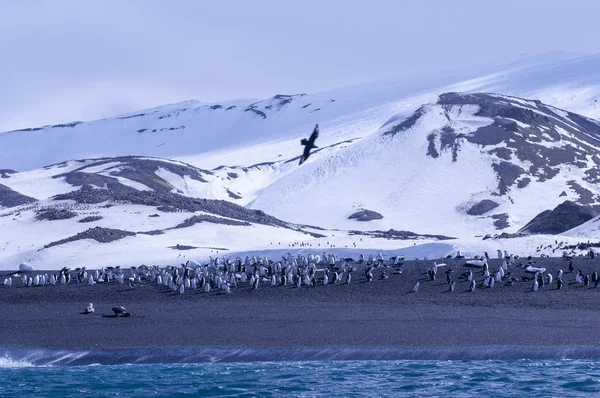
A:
x: 28, y: 357
x: 7, y: 362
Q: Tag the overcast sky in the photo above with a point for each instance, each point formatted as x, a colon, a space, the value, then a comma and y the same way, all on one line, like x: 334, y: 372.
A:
x: 82, y: 60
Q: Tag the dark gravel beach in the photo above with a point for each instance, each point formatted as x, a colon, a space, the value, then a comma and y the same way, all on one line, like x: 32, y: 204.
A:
x: 382, y: 313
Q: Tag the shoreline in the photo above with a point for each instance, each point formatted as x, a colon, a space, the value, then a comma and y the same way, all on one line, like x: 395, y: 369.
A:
x: 375, y: 317
x: 144, y: 356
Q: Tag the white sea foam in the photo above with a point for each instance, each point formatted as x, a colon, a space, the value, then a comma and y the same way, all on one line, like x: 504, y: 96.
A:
x: 7, y: 362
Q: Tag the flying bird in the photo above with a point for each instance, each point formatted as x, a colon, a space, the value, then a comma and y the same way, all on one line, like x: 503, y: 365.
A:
x: 309, y: 144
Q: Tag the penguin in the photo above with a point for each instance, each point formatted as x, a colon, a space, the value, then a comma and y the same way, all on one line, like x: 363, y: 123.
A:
x: 181, y: 288
x: 131, y: 285
x: 472, y: 286
x: 559, y: 274
x: 448, y: 279
x: 470, y: 276
x: 348, y: 278
x: 559, y: 284
x: 369, y: 274
x: 452, y: 286
x: 415, y: 287
x: 90, y: 308
x: 586, y: 281
x: 535, y: 285
x: 571, y: 267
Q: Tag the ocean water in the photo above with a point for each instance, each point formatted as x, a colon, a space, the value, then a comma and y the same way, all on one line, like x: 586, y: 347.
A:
x: 318, y: 378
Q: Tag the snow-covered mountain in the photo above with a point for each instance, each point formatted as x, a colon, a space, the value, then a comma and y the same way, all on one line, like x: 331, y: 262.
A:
x: 462, y: 165
x: 247, y: 132
x: 465, y: 164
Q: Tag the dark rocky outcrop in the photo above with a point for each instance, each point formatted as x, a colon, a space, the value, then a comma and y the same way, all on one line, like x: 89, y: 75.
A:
x: 172, y: 202
x: 482, y: 207
x: 564, y: 217
x: 102, y: 235
x: 519, y: 132
x: 10, y: 198
x: 54, y: 213
x: 365, y: 215
x: 5, y: 173
x: 142, y: 170
x: 90, y: 219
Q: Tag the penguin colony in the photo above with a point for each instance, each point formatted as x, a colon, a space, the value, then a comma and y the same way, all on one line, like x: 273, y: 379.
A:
x: 225, y: 276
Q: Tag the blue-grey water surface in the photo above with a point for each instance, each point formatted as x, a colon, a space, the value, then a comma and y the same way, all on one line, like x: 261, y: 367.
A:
x: 360, y: 378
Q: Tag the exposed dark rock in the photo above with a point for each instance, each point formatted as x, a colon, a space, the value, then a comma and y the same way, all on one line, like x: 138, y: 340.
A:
x: 502, y: 153
x: 154, y: 215
x: 211, y: 219
x: 54, y: 213
x: 233, y: 195
x: 232, y: 175
x: 256, y: 111
x: 365, y: 215
x: 182, y: 247
x: 482, y: 207
x: 10, y: 198
x: 520, y: 131
x: 399, y: 235
x: 501, y: 221
x: 507, y: 173
x: 77, y: 178
x: 407, y: 123
x: 70, y: 125
x: 431, y: 151
x: 5, y: 173
x: 523, y: 182
x: 102, y: 235
x: 132, y: 116
x: 214, y: 107
x: 91, y: 219
x: 230, y: 108
x: 504, y: 235
x: 153, y: 232
x: 171, y: 202
x: 564, y: 217
x: 586, y: 197
x: 142, y: 170
x: 563, y: 193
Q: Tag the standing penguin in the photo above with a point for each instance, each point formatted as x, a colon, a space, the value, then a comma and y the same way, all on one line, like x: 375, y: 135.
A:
x: 415, y: 287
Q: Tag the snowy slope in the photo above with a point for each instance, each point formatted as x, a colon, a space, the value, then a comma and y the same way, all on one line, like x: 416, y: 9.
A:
x: 431, y: 169
x: 247, y: 132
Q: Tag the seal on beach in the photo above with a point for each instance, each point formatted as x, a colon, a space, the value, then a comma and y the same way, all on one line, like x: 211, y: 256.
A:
x: 121, y: 311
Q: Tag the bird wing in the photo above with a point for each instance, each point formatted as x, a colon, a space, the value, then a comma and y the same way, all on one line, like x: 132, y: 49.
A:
x: 314, y: 135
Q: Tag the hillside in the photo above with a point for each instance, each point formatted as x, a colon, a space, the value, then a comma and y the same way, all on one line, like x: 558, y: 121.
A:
x: 466, y: 164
